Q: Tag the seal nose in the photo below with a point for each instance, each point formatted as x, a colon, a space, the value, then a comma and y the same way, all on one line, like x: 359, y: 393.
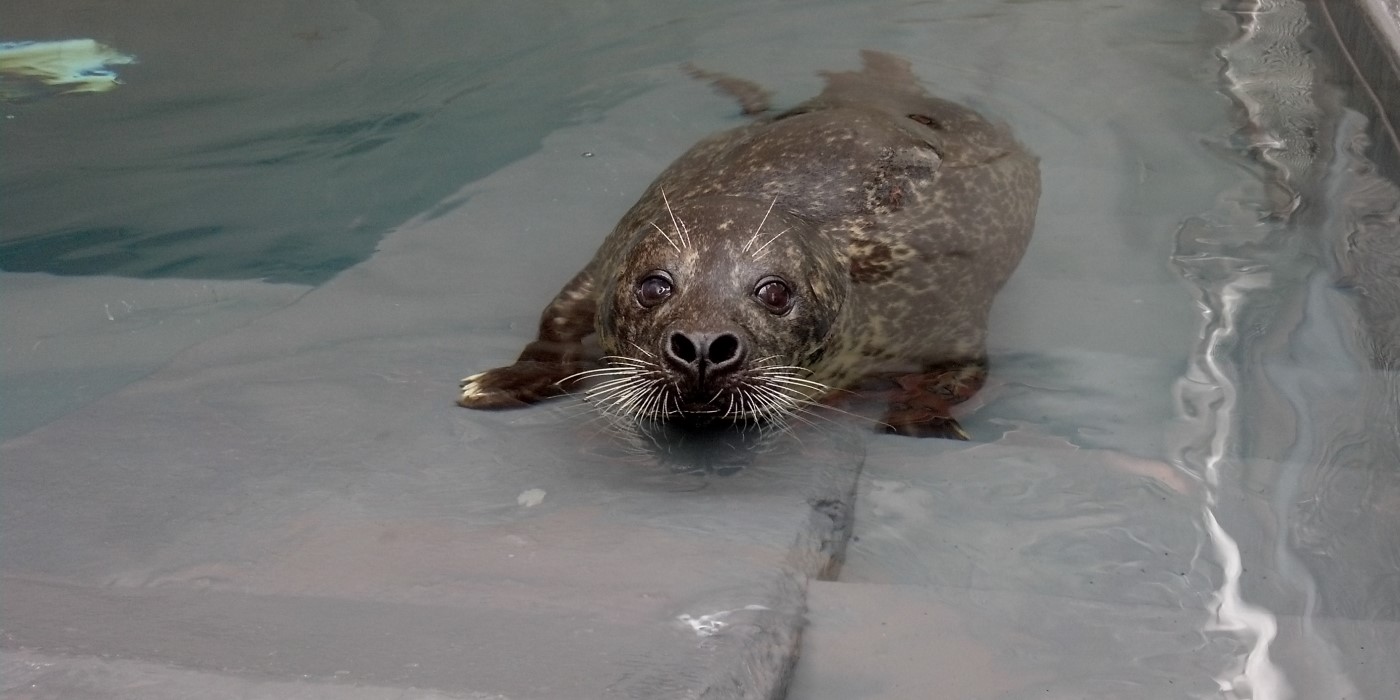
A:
x: 704, y: 355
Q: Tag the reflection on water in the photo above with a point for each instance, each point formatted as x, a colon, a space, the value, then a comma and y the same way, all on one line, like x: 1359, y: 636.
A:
x: 1257, y: 522
x: 687, y: 456
x: 32, y: 68
x: 721, y: 450
x: 1271, y: 354
x: 301, y: 133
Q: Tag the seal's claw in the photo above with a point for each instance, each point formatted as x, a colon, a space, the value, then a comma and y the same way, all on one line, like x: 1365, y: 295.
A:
x: 925, y: 417
x: 932, y: 427
x: 520, y: 384
x: 467, y: 382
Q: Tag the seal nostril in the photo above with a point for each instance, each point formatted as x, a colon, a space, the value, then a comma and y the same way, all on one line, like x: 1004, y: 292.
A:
x: 722, y: 349
x: 683, y: 348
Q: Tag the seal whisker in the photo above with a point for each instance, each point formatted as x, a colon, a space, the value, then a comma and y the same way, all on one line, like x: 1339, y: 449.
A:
x: 761, y: 248
x: 759, y: 363
x: 604, y: 388
x: 763, y: 408
x: 776, y: 401
x: 652, y: 409
x: 794, y: 379
x: 617, y: 405
x: 793, y: 375
x: 742, y: 413
x: 790, y: 378
x: 634, y: 364
x: 582, y: 407
x: 803, y: 410
x: 798, y: 415
x: 789, y: 411
x: 753, y: 412
x: 603, y: 372
x: 611, y: 399
x: 635, y: 409
x: 762, y: 221
x: 757, y: 408
x: 595, y: 391
x: 628, y: 372
x: 795, y: 368
x: 782, y: 422
x: 642, y: 406
x: 622, y: 368
x: 822, y: 389
x: 629, y: 407
x: 800, y: 386
x: 600, y: 372
x: 781, y: 389
x: 611, y: 422
x: 794, y: 395
x: 615, y: 396
x: 675, y: 220
x: 810, y: 407
x: 667, y: 235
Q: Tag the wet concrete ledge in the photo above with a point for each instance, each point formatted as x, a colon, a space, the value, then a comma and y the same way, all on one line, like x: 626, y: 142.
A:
x: 1358, y: 43
x: 296, y: 509
x: 1362, y: 39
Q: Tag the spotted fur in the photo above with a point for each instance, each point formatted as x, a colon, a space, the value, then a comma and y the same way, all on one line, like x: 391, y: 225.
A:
x: 892, y: 216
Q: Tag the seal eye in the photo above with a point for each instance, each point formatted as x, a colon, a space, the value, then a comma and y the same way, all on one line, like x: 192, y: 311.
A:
x: 653, y: 290
x: 774, y: 294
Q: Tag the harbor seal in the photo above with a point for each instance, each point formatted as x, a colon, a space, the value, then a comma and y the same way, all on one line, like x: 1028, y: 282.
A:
x: 855, y: 240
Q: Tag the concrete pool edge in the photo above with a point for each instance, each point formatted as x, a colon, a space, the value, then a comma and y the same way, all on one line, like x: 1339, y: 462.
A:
x: 1362, y: 38
x: 1359, y: 45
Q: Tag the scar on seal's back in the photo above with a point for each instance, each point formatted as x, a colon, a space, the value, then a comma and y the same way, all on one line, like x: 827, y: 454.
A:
x: 854, y: 240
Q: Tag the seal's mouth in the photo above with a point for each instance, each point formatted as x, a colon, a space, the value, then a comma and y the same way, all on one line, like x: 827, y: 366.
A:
x: 704, y: 412
x: 737, y: 400
x: 698, y: 405
x: 647, y: 392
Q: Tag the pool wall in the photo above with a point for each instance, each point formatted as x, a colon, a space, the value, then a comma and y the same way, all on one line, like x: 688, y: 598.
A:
x: 1363, y: 38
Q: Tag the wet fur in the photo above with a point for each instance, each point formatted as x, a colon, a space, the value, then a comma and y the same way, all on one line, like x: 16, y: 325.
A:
x: 895, y: 216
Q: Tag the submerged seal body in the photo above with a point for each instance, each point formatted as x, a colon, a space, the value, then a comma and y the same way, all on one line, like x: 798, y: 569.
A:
x: 861, y: 234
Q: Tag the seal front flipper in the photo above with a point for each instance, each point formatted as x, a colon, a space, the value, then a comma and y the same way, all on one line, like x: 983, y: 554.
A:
x: 920, y: 404
x: 556, y: 354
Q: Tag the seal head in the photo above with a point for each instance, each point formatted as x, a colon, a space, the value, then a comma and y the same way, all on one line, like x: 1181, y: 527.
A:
x: 713, y: 307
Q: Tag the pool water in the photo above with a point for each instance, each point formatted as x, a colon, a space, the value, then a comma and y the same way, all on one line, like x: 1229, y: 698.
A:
x: 240, y: 286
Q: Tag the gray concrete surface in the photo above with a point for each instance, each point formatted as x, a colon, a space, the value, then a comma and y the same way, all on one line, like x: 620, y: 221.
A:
x: 1044, y: 571
x: 296, y: 505
x: 928, y: 642
x: 1256, y: 562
